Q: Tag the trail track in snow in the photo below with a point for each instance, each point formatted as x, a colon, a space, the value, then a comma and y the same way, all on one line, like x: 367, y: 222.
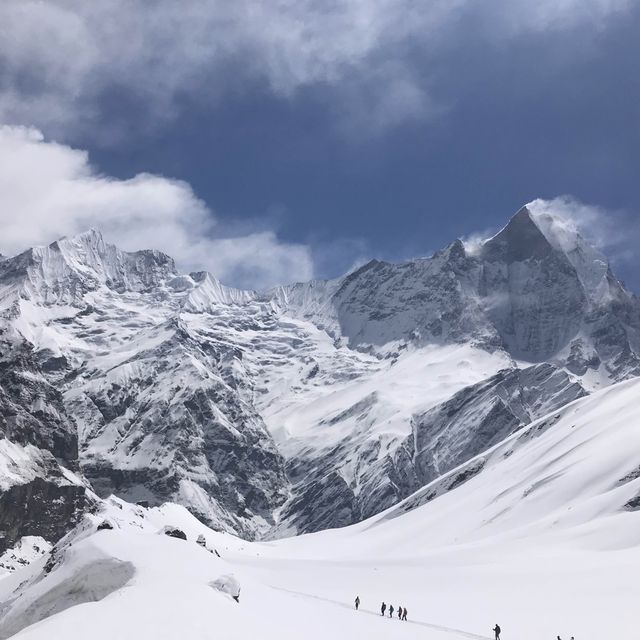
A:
x: 338, y: 603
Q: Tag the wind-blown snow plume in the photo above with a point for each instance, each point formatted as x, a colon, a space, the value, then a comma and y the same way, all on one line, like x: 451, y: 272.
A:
x: 614, y: 232
x: 565, y: 216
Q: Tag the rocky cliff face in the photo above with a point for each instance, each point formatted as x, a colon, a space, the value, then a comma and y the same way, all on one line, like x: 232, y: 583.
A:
x: 39, y: 493
x: 322, y: 402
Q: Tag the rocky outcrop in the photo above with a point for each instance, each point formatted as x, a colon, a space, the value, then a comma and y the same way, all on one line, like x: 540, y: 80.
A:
x: 43, y: 507
x: 174, y: 532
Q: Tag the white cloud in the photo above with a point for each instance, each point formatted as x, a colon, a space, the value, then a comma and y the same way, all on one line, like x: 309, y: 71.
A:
x: 57, y: 58
x: 50, y: 190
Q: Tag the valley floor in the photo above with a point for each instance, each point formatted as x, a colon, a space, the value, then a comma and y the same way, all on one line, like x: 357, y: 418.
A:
x: 156, y: 587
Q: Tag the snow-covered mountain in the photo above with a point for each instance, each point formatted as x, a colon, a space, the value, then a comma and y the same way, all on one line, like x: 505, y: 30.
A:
x: 533, y: 289
x: 478, y: 342
x: 306, y: 407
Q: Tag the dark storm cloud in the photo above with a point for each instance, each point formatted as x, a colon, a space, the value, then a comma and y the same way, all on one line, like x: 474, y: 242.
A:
x: 360, y: 49
x: 383, y: 127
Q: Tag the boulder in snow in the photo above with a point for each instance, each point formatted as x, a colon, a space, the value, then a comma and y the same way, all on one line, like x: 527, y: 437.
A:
x: 174, y: 532
x: 228, y: 584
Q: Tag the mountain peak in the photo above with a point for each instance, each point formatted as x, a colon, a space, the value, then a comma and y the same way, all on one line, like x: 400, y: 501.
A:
x: 521, y: 215
x: 520, y: 240
x: 65, y: 269
x: 90, y: 235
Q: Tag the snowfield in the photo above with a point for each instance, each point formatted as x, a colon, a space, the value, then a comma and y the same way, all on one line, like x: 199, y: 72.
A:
x: 540, y: 534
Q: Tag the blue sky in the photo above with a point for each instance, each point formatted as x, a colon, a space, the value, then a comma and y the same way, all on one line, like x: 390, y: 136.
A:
x: 316, y: 135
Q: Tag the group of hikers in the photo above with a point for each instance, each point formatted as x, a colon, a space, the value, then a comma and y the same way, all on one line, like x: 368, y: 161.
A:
x: 402, y: 611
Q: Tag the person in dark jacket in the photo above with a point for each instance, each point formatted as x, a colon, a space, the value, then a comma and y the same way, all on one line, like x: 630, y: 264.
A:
x: 383, y: 608
x: 497, y: 631
x: 391, y: 611
x: 357, y: 602
x: 399, y: 613
x: 404, y: 613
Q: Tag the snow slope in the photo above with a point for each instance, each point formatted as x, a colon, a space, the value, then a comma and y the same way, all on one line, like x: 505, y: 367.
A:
x: 541, y: 534
x: 136, y: 583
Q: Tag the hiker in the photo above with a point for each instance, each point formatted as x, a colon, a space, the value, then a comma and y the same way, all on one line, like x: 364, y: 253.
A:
x: 357, y: 602
x: 382, y: 608
x: 497, y: 630
x: 399, y: 613
x: 404, y: 613
x: 391, y: 611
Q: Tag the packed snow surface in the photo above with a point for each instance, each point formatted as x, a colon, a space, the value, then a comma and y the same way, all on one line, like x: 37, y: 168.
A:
x: 540, y: 534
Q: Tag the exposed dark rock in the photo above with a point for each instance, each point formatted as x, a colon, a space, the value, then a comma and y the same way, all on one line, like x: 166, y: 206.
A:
x: 633, y: 475
x: 32, y: 410
x: 33, y: 414
x: 484, y: 414
x: 633, y: 504
x: 40, y: 508
x: 324, y: 503
x: 174, y: 532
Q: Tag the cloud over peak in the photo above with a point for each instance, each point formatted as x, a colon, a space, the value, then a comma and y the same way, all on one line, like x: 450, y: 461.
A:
x: 50, y: 190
